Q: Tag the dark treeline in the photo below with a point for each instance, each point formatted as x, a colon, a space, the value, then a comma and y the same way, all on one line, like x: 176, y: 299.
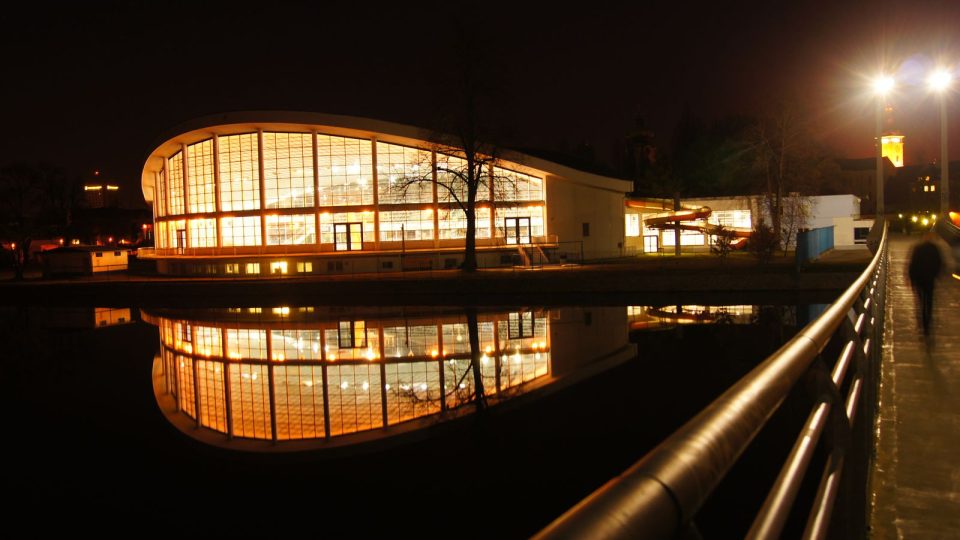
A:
x: 776, y: 151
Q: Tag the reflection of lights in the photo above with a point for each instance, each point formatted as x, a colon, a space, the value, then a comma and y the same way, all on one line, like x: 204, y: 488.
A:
x: 234, y: 356
x: 924, y: 221
x: 365, y: 385
x: 900, y: 216
x: 462, y: 386
x: 434, y: 353
x: 956, y: 276
x: 386, y: 386
x: 423, y: 386
x: 308, y: 383
x: 332, y: 357
x: 404, y: 386
x: 344, y: 385
x: 279, y: 357
x: 488, y: 349
x: 484, y: 360
x: 371, y: 355
x: 914, y: 218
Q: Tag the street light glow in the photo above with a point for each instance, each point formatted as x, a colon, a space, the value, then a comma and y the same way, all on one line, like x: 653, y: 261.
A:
x: 940, y: 80
x: 883, y: 84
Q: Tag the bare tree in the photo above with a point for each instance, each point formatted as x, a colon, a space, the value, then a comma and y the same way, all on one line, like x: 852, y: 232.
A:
x: 796, y: 211
x: 786, y: 159
x: 35, y: 201
x: 467, y: 135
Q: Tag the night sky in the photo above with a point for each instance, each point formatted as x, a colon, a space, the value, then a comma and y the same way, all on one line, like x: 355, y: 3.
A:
x: 93, y: 85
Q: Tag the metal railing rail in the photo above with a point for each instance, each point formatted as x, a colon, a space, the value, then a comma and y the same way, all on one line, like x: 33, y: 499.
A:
x: 659, y: 495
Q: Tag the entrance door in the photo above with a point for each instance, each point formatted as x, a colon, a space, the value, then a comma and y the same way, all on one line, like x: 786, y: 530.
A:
x: 181, y: 240
x: 517, y: 230
x: 650, y: 244
x: 348, y: 236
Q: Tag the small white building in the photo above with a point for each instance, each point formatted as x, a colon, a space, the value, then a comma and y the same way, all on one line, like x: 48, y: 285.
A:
x: 642, y: 217
x: 85, y: 260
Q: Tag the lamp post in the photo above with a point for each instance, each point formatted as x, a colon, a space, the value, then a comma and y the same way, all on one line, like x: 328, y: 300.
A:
x: 882, y: 85
x: 939, y: 82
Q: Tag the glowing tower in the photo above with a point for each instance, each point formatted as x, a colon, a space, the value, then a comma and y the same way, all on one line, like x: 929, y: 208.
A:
x: 892, y: 147
x: 891, y: 142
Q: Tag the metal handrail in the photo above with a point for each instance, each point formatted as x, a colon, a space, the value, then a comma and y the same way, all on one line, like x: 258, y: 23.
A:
x: 658, y: 496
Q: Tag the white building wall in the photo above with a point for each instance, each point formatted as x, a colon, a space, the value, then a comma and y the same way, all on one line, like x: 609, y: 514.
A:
x: 571, y: 205
x: 108, y: 260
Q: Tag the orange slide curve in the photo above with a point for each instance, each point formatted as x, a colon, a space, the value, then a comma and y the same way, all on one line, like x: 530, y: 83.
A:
x: 669, y: 219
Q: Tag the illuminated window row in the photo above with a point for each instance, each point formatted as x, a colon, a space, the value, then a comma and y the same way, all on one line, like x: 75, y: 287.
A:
x: 349, y: 230
x: 344, y: 175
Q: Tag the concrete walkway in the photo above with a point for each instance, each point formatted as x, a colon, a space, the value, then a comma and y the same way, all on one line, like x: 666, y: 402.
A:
x: 915, y: 482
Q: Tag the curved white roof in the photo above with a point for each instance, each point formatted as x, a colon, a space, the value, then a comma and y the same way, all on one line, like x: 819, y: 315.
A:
x: 348, y: 126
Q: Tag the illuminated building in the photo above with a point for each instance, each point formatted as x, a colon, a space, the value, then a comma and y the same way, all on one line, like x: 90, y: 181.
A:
x: 292, y: 378
x: 648, y: 228
x: 892, y: 148
x: 101, y: 195
x: 281, y: 192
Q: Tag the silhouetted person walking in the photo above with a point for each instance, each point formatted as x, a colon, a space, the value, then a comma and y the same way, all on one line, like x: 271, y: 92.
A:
x: 925, y: 266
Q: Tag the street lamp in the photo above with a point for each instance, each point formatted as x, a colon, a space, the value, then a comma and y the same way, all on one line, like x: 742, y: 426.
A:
x: 939, y: 82
x: 882, y: 86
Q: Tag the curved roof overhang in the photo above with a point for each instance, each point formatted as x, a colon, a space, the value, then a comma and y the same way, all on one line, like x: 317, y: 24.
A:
x: 348, y: 126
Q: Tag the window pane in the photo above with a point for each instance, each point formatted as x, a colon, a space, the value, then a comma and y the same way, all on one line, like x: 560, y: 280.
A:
x: 409, y: 225
x: 453, y: 223
x: 175, y: 168
x: 288, y: 170
x: 291, y: 230
x: 239, y: 172
x: 515, y: 186
x: 241, y: 231
x: 203, y: 233
x: 404, y: 175
x: 345, y: 171
x: 200, y: 177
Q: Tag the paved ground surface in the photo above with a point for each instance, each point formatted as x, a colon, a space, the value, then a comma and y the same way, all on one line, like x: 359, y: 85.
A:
x: 916, y: 476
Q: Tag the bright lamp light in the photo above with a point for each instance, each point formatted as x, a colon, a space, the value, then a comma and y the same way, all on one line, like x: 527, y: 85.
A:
x: 883, y: 84
x: 940, y: 80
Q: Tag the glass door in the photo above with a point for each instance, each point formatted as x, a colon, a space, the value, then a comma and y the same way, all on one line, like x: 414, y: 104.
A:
x: 517, y: 230
x: 181, y: 240
x: 348, y: 236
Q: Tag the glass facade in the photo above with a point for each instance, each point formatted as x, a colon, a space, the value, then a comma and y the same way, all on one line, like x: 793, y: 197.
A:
x: 334, y: 193
x: 160, y: 194
x: 294, y: 229
x: 239, y: 172
x: 288, y: 170
x: 344, y: 171
x: 405, y: 174
x: 406, y: 225
x: 175, y: 172
x: 200, y: 183
x: 241, y: 231
x: 293, y: 375
x: 203, y: 233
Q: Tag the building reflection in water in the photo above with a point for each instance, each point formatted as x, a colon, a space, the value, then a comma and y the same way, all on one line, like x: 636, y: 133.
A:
x: 289, y: 373
x: 651, y: 317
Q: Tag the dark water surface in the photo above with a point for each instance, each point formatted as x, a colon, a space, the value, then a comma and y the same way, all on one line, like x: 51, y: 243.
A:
x: 358, y: 422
